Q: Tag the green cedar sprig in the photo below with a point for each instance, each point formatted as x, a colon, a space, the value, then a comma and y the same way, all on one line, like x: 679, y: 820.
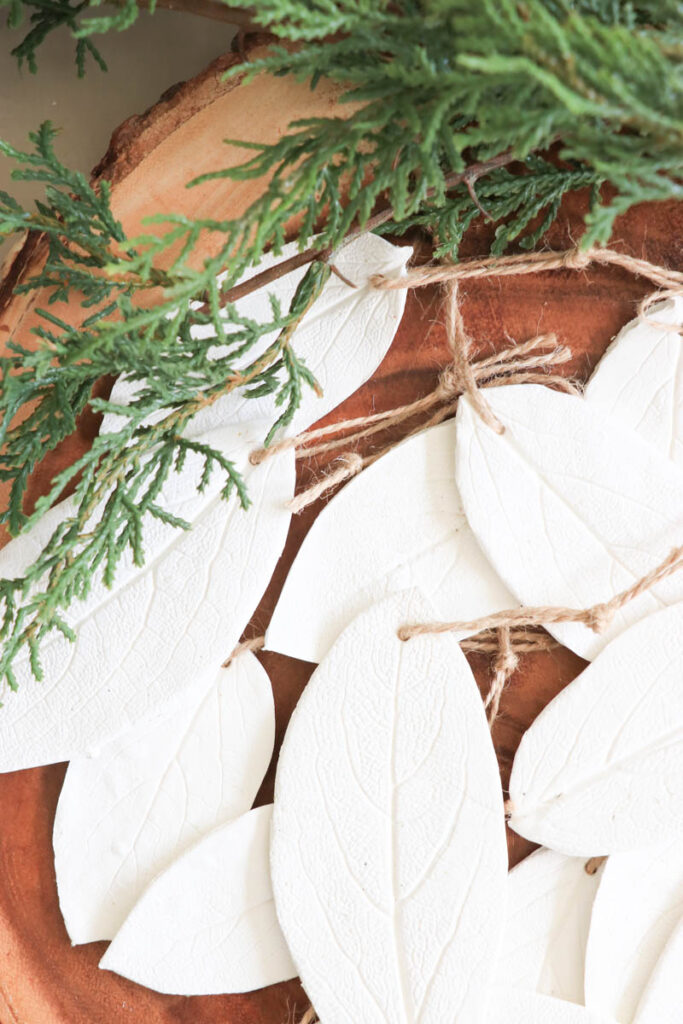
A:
x: 179, y: 371
x: 47, y: 16
x: 446, y: 84
x: 453, y: 103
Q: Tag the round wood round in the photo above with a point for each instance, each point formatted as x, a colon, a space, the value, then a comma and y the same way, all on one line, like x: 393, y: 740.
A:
x: 43, y: 980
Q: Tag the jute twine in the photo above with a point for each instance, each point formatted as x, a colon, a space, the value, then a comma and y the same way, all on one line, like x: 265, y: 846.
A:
x: 669, y: 281
x: 255, y: 644
x: 526, y: 363
x: 598, y: 617
x: 508, y: 634
x: 310, y: 1016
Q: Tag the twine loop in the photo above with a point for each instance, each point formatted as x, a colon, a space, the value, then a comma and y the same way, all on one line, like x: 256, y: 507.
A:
x: 462, y: 371
x: 450, y: 384
x: 260, y: 455
x: 592, y: 866
x: 510, y: 633
x: 349, y: 465
x: 578, y: 259
x: 255, y: 644
x: 599, y: 617
x: 504, y: 666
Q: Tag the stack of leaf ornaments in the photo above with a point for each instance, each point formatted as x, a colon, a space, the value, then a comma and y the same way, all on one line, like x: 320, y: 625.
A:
x: 388, y: 852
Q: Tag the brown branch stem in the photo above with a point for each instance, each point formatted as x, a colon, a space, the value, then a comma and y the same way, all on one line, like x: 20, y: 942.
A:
x: 302, y: 259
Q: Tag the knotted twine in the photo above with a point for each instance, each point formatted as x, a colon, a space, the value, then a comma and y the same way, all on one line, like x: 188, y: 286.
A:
x: 505, y: 634
x: 668, y: 282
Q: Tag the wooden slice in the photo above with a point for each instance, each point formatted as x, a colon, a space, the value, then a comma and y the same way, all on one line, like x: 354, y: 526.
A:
x: 43, y: 980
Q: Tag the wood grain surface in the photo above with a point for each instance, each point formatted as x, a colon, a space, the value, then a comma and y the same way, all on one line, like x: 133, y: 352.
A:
x: 43, y: 980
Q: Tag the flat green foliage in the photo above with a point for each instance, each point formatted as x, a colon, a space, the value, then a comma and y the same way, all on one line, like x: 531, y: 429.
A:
x: 454, y: 107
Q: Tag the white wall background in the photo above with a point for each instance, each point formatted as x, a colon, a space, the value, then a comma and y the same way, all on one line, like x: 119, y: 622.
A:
x: 156, y: 52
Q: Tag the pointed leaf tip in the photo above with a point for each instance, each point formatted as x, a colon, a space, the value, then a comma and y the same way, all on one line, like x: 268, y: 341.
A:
x: 389, y: 857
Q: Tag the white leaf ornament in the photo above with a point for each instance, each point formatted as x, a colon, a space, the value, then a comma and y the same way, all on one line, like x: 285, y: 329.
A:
x: 550, y: 898
x: 388, y: 853
x: 639, y: 380
x: 126, y: 814
x: 600, y: 769
x: 663, y: 996
x: 639, y: 904
x: 207, y: 924
x: 569, y: 505
x: 517, y: 1006
x: 342, y: 339
x: 159, y: 627
x: 399, y: 524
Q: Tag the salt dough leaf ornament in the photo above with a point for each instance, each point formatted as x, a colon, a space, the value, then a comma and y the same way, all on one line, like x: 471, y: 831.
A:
x: 569, y: 505
x: 160, y: 627
x: 639, y: 904
x: 518, y: 1006
x: 124, y: 815
x: 342, y: 339
x: 599, y: 771
x: 400, y: 523
x: 550, y: 898
x: 639, y: 380
x: 207, y: 924
x: 662, y: 999
x: 388, y: 853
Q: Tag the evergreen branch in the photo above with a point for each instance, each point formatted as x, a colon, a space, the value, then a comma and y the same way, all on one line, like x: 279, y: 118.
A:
x: 48, y: 16
x: 443, y: 84
x: 452, y: 105
x: 178, y: 366
x: 385, y: 219
x: 514, y: 200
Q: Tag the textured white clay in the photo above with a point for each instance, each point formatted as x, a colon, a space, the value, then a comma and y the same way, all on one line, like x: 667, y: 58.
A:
x: 160, y: 627
x: 639, y: 903
x: 400, y: 523
x: 662, y: 1001
x: 517, y: 1006
x: 207, y: 924
x: 569, y: 505
x: 550, y: 898
x: 599, y: 770
x: 342, y: 339
x: 388, y: 854
x: 639, y: 380
x: 124, y: 815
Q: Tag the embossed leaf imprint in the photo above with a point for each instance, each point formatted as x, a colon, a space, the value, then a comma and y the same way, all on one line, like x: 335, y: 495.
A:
x: 639, y: 380
x: 144, y: 641
x: 160, y: 627
x: 516, y: 1006
x: 342, y: 339
x: 663, y: 996
x: 550, y: 899
x: 207, y: 924
x: 388, y: 853
x: 126, y: 814
x: 370, y: 541
x: 638, y: 906
x: 570, y: 506
x: 599, y: 771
